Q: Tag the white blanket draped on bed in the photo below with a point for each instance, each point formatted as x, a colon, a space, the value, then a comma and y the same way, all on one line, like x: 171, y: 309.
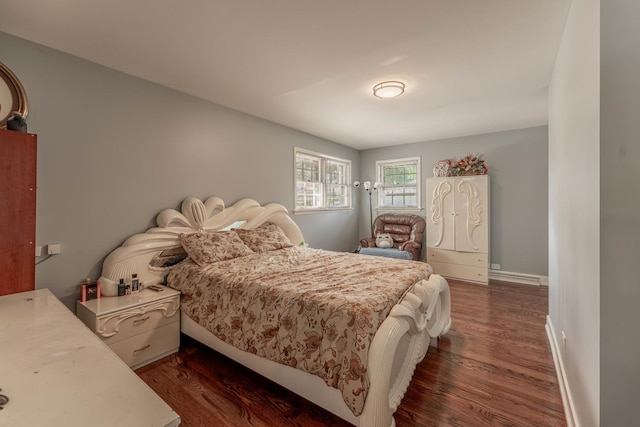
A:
x: 307, y: 308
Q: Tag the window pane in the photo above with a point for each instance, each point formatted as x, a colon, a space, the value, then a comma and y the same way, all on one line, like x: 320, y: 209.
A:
x: 307, y: 169
x: 336, y: 172
x: 401, y: 197
x: 308, y: 195
x: 337, y: 196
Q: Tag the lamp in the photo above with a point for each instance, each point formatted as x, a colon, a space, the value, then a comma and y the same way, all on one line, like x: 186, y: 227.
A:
x: 369, y: 189
x: 389, y: 89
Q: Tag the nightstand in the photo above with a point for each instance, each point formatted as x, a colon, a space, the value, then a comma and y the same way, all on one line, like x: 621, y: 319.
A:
x: 140, y: 328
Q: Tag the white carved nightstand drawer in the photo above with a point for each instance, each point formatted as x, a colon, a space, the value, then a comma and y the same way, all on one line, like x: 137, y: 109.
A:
x: 140, y: 327
x: 146, y: 347
x: 127, y: 323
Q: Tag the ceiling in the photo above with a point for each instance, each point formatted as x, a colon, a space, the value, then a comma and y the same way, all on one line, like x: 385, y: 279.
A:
x: 470, y: 66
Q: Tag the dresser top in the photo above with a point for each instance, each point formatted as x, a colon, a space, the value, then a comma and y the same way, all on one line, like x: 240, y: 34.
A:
x: 56, y: 372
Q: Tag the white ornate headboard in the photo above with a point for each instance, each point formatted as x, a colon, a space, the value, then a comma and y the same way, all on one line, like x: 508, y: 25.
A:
x: 137, y: 251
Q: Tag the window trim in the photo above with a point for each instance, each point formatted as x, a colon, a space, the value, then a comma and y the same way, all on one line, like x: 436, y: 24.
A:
x: 380, y: 164
x: 323, y: 159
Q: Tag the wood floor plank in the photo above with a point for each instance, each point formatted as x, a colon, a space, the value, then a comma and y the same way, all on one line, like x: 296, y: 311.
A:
x: 494, y: 368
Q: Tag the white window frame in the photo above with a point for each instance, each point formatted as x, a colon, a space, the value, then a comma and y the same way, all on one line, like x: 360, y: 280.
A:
x: 320, y: 187
x: 381, y: 165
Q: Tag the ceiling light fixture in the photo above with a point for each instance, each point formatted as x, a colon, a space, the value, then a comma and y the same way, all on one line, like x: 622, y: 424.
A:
x: 389, y: 89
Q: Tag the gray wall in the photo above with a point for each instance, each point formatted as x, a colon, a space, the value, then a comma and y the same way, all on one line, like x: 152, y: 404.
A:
x: 574, y: 217
x: 619, y: 213
x: 595, y: 210
x: 114, y: 150
x: 517, y: 162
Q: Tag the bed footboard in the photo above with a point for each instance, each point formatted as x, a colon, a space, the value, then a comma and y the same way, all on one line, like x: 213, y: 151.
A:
x: 400, y: 344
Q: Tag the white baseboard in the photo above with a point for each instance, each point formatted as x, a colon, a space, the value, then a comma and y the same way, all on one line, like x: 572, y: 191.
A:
x: 526, y: 279
x: 565, y: 390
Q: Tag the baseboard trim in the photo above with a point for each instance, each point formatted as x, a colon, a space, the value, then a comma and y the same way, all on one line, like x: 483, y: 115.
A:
x: 526, y: 279
x: 565, y: 390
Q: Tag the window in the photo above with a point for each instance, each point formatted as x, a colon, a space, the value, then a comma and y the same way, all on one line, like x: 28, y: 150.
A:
x: 322, y: 182
x: 400, y: 183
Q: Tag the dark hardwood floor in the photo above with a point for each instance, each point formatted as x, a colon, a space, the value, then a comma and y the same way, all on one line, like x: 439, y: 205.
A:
x: 494, y: 368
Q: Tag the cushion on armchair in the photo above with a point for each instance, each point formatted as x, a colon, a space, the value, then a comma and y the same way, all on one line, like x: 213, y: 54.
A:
x: 387, y: 252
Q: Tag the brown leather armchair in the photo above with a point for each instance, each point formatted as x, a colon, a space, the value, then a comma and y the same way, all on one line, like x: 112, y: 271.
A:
x: 406, y: 230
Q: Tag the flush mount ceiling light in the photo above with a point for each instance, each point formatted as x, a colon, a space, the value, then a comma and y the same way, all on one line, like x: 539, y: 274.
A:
x: 389, y: 89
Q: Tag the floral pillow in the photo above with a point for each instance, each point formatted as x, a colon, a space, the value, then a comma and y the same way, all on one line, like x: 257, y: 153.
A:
x: 208, y: 247
x: 265, y: 238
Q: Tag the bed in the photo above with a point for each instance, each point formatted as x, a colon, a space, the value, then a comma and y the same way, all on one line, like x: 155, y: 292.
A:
x: 374, y: 319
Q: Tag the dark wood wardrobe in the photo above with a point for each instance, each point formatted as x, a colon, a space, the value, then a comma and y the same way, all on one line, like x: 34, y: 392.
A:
x: 18, y: 153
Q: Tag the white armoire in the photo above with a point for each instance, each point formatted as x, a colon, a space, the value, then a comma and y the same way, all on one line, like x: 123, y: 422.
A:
x: 458, y: 227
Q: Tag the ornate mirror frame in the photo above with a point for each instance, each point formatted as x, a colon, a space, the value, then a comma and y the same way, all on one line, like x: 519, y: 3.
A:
x: 12, y: 96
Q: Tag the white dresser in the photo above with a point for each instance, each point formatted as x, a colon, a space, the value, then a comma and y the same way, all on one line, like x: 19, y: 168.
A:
x: 140, y: 328
x: 56, y: 372
x: 458, y: 227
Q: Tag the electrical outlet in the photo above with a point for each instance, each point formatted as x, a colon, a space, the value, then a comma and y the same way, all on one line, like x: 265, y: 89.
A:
x: 54, y: 248
x: 495, y: 266
x: 38, y: 250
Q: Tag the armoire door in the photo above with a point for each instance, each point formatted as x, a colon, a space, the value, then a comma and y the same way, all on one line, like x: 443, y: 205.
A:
x: 471, y: 213
x: 18, y: 153
x: 440, y: 215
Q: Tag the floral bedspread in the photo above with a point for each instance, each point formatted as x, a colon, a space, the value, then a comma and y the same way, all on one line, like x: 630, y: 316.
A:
x: 307, y: 308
